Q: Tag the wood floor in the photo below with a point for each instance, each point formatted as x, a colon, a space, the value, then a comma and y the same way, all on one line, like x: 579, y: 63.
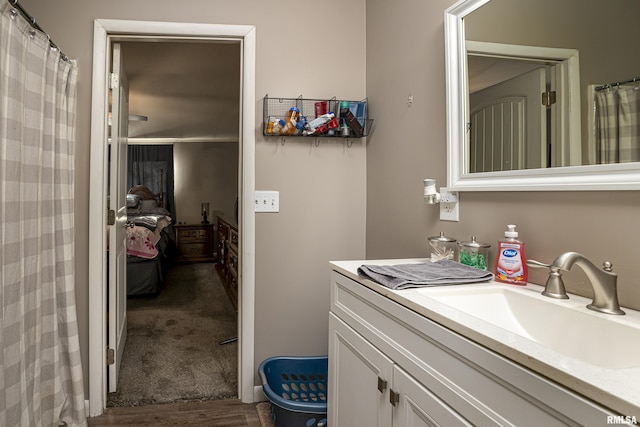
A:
x: 211, y: 413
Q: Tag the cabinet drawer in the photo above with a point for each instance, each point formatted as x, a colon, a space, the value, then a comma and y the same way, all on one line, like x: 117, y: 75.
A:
x: 190, y: 235
x: 232, y: 261
x: 223, y: 230
x: 233, y: 238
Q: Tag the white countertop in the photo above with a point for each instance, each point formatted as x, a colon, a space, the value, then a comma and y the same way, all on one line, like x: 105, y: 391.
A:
x: 617, y: 389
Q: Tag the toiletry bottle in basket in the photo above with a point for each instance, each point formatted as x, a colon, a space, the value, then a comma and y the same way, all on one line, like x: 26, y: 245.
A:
x: 288, y: 126
x: 511, y: 265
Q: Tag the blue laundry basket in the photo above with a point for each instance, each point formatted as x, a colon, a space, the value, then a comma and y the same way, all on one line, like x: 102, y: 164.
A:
x: 297, y: 390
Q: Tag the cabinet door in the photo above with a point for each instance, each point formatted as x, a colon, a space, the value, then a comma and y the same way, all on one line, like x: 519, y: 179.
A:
x: 417, y: 406
x: 359, y: 380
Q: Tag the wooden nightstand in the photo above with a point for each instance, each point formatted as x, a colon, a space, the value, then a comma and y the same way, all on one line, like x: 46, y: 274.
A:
x: 194, y: 242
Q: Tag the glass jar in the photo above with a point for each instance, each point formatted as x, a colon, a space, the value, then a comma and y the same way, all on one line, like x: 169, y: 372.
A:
x: 442, y: 247
x: 474, y: 253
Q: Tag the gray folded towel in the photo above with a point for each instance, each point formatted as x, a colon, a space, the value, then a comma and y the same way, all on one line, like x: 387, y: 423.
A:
x: 443, y: 272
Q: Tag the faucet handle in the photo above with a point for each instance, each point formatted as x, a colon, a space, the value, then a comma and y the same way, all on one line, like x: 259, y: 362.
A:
x: 538, y: 264
x: 607, y: 266
x: 554, y: 288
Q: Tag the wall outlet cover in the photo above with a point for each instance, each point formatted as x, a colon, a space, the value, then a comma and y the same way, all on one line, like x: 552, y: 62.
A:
x: 449, y: 205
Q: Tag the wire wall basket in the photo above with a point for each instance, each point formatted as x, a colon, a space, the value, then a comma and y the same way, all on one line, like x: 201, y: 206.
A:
x: 277, y: 112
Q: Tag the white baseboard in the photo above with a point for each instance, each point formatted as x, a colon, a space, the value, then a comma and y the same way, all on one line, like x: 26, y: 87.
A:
x: 258, y: 394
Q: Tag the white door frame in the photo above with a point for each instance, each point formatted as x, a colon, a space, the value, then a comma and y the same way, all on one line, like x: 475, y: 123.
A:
x: 103, y: 30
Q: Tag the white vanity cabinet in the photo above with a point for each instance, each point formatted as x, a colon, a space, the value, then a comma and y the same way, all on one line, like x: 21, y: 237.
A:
x: 367, y: 387
x: 391, y: 366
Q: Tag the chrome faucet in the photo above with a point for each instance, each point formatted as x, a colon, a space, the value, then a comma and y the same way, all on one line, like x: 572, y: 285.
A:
x: 603, y: 281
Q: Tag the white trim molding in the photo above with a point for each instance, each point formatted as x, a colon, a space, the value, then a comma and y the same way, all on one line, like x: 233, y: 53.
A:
x: 106, y: 30
x: 622, y: 176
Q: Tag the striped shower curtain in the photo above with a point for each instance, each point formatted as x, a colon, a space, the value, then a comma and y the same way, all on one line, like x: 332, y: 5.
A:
x: 40, y: 368
x: 618, y: 125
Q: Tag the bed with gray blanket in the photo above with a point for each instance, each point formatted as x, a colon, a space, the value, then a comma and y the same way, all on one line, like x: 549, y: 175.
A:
x: 150, y: 245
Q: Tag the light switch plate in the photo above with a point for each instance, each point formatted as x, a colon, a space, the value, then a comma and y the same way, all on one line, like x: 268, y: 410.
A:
x: 267, y: 201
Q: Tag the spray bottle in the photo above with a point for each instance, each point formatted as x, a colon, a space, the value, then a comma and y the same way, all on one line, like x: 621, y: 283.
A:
x: 511, y: 265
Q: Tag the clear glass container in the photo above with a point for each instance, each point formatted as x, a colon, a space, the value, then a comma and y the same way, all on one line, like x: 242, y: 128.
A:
x: 474, y: 253
x: 442, y: 247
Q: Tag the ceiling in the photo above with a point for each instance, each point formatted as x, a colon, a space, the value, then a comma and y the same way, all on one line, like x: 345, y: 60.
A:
x: 486, y: 71
x: 187, y: 90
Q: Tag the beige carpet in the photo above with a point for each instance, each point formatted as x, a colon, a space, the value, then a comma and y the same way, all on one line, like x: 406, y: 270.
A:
x: 172, y: 352
x: 264, y: 413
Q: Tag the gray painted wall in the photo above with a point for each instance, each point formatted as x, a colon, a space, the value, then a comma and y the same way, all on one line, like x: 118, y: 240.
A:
x: 205, y: 172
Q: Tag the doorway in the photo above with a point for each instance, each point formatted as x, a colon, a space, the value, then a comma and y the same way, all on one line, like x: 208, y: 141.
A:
x: 105, y: 33
x: 183, y: 106
x: 492, y: 63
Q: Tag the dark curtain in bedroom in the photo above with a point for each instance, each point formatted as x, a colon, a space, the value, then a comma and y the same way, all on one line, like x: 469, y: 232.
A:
x: 152, y: 166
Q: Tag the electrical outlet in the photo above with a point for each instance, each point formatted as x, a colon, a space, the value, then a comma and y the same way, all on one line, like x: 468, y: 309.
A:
x: 267, y: 201
x: 449, y: 205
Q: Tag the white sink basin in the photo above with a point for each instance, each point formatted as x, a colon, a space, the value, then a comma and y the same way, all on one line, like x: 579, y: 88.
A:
x: 565, y: 326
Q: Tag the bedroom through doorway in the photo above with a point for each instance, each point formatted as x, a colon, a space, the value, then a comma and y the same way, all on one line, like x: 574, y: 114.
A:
x: 184, y: 98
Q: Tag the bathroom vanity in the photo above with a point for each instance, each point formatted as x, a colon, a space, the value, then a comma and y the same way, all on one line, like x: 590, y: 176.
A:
x: 405, y: 358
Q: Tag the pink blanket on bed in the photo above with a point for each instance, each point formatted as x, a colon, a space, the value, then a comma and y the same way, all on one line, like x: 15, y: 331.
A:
x: 141, y: 241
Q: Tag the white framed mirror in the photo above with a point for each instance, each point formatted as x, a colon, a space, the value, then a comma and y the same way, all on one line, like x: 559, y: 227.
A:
x: 575, y: 153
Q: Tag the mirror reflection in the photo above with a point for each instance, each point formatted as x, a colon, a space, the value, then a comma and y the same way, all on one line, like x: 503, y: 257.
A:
x: 552, y: 83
